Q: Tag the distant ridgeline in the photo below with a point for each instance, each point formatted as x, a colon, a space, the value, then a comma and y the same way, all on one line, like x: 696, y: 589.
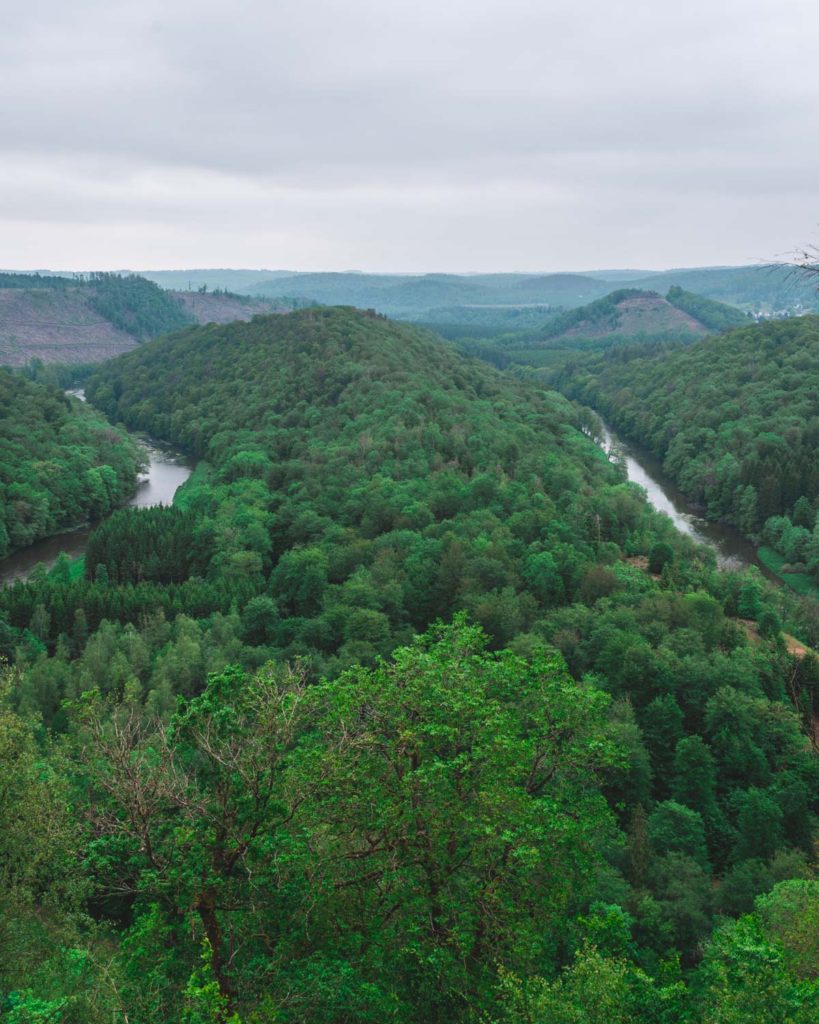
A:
x: 735, y: 420
x: 768, y: 289
x: 91, y: 317
x: 61, y: 463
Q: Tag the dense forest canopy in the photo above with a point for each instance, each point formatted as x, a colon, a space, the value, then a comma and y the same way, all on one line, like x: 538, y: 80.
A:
x: 135, y: 305
x: 735, y: 420
x: 246, y: 789
x: 716, y: 316
x: 61, y: 463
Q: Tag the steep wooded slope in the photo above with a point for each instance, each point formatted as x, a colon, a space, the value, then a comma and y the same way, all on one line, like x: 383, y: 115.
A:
x: 735, y: 418
x: 60, y: 462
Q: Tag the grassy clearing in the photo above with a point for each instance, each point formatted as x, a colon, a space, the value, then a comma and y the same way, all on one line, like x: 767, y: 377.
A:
x: 798, y: 581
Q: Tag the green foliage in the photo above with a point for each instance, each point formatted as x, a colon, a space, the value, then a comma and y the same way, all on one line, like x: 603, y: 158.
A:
x: 760, y: 968
x: 716, y: 316
x: 735, y: 418
x: 136, y: 305
x: 60, y: 462
x: 481, y: 777
x: 161, y: 544
x: 239, y: 748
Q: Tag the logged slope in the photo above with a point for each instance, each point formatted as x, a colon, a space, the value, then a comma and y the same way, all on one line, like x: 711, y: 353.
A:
x: 56, y: 326
x: 219, y: 307
x: 81, y: 321
x: 88, y: 320
x: 735, y: 418
x: 60, y: 464
x: 626, y: 313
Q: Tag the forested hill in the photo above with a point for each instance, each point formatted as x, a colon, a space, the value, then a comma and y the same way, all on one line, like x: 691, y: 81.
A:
x: 60, y: 462
x: 337, y: 373
x: 243, y: 788
x: 96, y: 316
x: 735, y: 419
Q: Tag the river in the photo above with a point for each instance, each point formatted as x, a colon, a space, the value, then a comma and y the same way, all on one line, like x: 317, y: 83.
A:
x: 167, y: 470
x: 733, y: 551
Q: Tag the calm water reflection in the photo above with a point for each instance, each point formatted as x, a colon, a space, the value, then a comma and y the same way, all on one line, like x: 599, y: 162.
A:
x: 733, y: 551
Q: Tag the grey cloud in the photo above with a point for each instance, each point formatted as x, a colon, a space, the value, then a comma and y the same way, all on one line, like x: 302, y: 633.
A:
x: 531, y: 133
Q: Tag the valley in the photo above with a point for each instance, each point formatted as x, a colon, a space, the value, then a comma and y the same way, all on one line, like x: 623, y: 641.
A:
x: 405, y: 649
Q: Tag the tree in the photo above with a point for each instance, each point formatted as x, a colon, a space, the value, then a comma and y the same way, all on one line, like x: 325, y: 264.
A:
x: 660, y: 555
x: 191, y: 815
x: 480, y: 792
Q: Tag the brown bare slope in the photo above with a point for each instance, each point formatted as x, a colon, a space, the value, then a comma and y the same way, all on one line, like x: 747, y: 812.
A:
x: 224, y: 307
x: 56, y: 326
x: 61, y: 325
x: 626, y: 313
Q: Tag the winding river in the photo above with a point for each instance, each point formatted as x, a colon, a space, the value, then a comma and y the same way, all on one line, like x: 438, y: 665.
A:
x: 733, y: 551
x: 167, y: 470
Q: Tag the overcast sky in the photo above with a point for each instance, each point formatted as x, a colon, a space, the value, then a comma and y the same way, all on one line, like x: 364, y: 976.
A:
x: 407, y: 134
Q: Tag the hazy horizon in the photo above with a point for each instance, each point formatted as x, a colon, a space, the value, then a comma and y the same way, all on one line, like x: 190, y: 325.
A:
x: 386, y: 272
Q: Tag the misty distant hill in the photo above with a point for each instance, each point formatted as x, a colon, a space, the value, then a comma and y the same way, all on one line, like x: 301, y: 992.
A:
x: 476, y: 305
x: 769, y: 290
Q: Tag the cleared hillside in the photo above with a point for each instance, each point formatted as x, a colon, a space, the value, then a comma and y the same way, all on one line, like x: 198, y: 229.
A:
x: 64, y: 320
x: 220, y: 307
x: 56, y: 326
x: 626, y: 313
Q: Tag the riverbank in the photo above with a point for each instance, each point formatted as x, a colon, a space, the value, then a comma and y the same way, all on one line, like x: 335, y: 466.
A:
x: 733, y: 550
x: 168, y: 468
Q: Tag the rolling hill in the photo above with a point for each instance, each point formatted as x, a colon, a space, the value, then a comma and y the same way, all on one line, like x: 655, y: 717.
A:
x: 766, y: 288
x: 631, y: 313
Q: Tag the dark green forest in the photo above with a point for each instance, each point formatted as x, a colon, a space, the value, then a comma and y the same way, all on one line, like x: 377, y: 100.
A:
x: 135, y: 305
x: 735, y: 420
x: 716, y: 316
x: 410, y: 709
x: 61, y: 463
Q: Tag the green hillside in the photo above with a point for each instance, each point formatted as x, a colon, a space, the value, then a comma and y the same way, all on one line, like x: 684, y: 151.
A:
x: 60, y: 463
x: 715, y: 316
x: 734, y: 418
x: 768, y: 289
x: 409, y: 709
